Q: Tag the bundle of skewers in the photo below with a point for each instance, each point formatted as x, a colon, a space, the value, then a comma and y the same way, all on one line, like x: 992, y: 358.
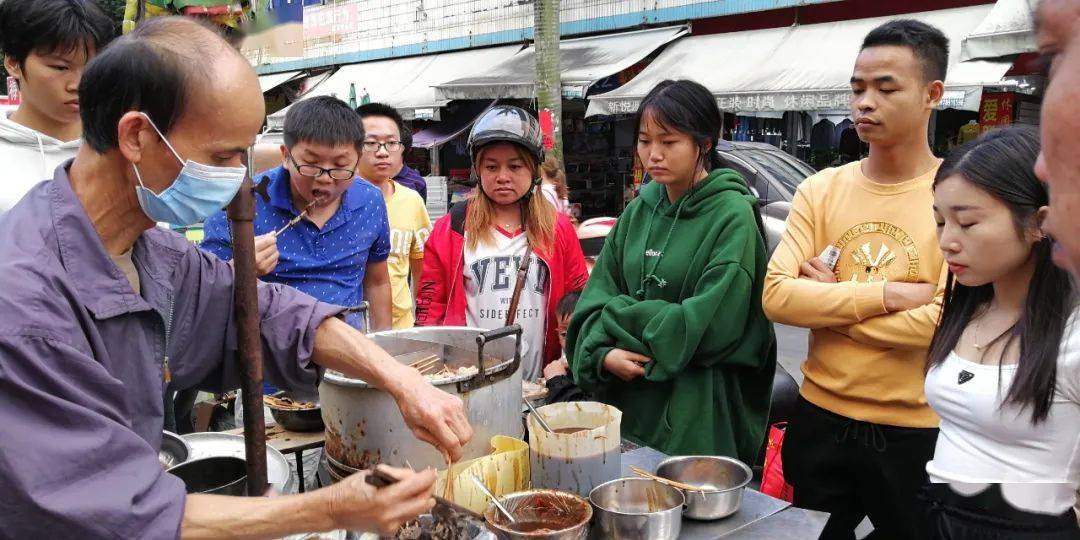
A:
x: 430, y: 365
x: 434, y: 366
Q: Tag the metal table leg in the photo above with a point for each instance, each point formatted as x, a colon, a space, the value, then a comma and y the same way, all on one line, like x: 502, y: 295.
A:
x: 299, y: 455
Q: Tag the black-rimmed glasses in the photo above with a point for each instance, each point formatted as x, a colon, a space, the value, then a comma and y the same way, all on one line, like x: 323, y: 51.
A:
x: 315, y: 171
x: 392, y: 147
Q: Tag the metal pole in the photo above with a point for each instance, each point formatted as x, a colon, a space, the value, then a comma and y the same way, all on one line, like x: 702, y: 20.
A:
x: 241, y: 212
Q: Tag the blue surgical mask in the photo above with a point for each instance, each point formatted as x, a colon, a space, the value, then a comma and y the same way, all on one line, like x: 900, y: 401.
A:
x: 198, y: 192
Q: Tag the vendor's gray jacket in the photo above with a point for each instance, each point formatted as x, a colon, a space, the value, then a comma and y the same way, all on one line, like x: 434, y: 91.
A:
x: 81, y: 359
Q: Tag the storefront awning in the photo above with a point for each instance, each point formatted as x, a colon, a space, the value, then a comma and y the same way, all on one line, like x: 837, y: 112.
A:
x: 451, y: 125
x: 582, y: 62
x: 272, y: 81
x: 798, y: 68
x: 406, y: 83
x: 1008, y: 30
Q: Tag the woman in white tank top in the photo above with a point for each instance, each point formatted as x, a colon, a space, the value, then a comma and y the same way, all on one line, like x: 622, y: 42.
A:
x: 1007, y: 391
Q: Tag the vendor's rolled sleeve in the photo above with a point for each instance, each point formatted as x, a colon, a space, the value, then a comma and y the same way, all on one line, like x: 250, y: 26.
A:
x: 70, y: 464
x: 289, y: 324
x: 289, y: 321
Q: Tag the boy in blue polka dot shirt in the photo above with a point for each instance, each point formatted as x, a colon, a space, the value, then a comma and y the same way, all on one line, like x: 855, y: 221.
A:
x: 337, y: 253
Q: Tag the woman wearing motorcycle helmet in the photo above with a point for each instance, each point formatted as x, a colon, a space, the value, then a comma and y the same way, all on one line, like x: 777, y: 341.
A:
x: 471, y: 259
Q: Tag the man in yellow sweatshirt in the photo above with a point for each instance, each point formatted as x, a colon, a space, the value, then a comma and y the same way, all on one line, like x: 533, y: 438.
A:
x: 860, y: 266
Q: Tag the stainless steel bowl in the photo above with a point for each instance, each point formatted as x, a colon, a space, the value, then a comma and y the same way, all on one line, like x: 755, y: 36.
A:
x: 174, y: 450
x: 637, y: 509
x: 541, y: 514
x: 722, y: 481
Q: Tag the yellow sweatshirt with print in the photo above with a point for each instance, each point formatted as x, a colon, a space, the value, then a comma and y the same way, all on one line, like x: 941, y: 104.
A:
x: 864, y: 362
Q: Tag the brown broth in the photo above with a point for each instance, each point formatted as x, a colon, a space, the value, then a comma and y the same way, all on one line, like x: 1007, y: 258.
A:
x: 570, y: 430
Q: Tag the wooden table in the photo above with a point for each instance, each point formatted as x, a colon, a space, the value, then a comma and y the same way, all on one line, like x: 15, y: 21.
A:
x: 291, y: 442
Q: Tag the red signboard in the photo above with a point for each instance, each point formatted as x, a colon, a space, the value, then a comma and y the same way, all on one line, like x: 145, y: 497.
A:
x: 996, y: 109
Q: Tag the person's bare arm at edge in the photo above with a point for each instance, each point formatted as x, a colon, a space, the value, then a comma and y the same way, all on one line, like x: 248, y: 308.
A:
x: 434, y: 416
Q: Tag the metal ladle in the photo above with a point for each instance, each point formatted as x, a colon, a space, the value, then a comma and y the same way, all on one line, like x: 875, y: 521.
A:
x: 539, y: 418
x: 493, y: 498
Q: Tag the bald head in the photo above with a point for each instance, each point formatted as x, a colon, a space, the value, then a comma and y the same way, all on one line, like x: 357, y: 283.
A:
x: 168, y: 68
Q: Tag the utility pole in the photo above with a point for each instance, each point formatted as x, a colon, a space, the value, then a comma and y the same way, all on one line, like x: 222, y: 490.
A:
x: 548, y: 79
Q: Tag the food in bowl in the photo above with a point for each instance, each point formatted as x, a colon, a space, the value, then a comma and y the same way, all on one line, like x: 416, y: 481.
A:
x: 541, y: 512
x: 287, y: 404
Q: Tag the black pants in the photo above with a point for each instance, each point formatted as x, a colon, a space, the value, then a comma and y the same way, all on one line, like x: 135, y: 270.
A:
x: 854, y: 469
x: 949, y: 515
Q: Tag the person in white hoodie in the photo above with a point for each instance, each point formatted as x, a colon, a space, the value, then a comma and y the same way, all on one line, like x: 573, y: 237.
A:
x: 46, y: 44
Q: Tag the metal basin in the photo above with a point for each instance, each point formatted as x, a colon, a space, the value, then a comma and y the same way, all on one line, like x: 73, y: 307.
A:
x: 637, y: 509
x: 298, y: 419
x: 213, y: 475
x: 541, y: 514
x: 213, y: 444
x: 174, y: 450
x: 364, y: 426
x: 722, y: 481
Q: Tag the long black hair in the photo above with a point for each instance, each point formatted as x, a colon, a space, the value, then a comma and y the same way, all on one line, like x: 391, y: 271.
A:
x: 688, y: 107
x: 1002, y: 163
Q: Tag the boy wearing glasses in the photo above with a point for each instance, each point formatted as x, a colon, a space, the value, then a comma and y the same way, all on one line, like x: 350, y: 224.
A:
x: 381, y: 159
x: 337, y: 252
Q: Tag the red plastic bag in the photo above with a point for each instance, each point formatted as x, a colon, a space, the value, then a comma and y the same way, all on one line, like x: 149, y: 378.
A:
x: 772, y: 477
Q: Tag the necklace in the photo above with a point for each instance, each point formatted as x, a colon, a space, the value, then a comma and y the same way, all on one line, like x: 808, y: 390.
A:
x: 978, y: 324
x: 975, y: 337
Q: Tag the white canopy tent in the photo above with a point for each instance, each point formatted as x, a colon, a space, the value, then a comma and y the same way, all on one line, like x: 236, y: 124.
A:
x: 798, y: 68
x: 273, y: 80
x: 406, y: 83
x: 1008, y: 30
x: 582, y: 62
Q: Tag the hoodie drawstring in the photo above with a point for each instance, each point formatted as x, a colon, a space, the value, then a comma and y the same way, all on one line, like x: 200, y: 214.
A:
x: 647, y: 276
x: 44, y: 162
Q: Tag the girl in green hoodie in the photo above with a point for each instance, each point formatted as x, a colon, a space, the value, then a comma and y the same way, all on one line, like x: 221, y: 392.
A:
x: 670, y: 328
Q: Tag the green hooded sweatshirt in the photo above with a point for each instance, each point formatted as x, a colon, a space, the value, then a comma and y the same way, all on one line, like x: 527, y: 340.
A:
x: 697, y: 314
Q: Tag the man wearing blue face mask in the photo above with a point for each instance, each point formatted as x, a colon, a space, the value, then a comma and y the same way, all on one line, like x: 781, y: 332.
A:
x: 101, y: 311
x: 337, y: 251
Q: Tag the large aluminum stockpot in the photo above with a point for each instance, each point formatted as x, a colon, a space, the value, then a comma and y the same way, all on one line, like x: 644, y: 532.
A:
x: 364, y: 425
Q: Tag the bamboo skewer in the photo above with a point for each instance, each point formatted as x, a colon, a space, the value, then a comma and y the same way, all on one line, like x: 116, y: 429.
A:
x: 662, y: 480
x: 297, y: 219
x: 424, y: 360
x: 426, y: 365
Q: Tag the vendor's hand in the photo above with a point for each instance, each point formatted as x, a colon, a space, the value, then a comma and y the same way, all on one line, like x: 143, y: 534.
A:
x: 901, y: 296
x: 266, y: 253
x: 356, y: 505
x: 556, y: 368
x: 625, y: 365
x: 434, y: 416
x: 816, y: 269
